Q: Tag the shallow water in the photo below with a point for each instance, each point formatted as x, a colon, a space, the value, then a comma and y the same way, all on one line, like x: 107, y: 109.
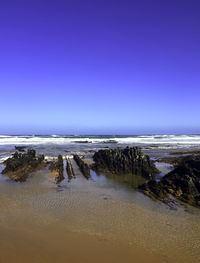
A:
x: 52, y: 145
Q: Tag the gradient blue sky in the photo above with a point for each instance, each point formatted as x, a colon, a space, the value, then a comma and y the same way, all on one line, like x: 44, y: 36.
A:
x: 99, y: 67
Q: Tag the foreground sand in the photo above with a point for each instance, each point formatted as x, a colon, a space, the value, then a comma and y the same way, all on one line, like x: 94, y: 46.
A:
x: 54, y: 244
x: 91, y: 222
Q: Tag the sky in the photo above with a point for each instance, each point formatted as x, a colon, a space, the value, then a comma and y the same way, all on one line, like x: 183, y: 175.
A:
x: 99, y: 67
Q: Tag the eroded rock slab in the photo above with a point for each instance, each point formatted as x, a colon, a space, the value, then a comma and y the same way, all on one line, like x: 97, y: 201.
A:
x: 124, y: 161
x: 20, y: 148
x: 69, y: 169
x: 21, y: 165
x: 83, y: 166
x: 183, y: 183
x: 58, y: 167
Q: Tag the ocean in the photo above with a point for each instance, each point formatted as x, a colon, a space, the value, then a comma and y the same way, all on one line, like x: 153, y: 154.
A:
x: 52, y: 145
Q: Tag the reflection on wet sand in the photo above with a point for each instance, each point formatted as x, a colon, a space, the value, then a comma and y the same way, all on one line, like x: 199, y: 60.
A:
x: 53, y: 243
x: 96, y: 220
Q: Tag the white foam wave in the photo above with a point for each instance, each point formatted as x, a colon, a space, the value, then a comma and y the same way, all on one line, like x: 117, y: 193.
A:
x: 3, y: 158
x: 56, y: 139
x: 50, y: 158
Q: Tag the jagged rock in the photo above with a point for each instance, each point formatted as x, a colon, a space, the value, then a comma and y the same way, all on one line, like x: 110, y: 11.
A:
x: 154, y: 190
x: 83, y: 166
x: 59, y: 168
x: 68, y: 169
x: 72, y: 169
x: 110, y: 141
x: 182, y: 183
x: 124, y: 161
x: 82, y: 142
x: 21, y: 165
x: 20, y: 148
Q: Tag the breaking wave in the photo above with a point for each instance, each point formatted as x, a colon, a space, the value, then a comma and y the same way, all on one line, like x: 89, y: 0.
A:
x: 58, y: 139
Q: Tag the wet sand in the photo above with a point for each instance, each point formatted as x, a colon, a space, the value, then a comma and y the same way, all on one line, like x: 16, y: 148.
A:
x: 38, y: 244
x: 98, y: 220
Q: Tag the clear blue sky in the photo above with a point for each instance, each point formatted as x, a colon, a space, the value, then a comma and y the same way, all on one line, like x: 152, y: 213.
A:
x: 95, y: 66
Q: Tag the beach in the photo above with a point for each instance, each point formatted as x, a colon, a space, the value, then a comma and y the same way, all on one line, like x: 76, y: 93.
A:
x: 103, y: 219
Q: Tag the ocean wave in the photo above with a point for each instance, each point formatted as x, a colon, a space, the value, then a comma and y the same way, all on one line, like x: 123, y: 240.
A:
x: 50, y: 158
x: 62, y: 140
x: 3, y: 158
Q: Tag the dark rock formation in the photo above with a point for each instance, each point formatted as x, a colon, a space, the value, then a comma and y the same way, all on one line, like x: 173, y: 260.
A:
x: 182, y: 183
x: 82, y: 142
x: 21, y: 165
x: 195, y: 152
x: 68, y: 169
x: 83, y: 166
x: 59, y: 168
x: 110, y: 141
x: 72, y: 170
x: 20, y: 148
x: 155, y: 190
x: 124, y: 161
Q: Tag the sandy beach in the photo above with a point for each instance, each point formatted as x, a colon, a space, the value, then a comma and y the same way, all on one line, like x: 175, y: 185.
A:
x: 95, y: 220
x: 52, y: 242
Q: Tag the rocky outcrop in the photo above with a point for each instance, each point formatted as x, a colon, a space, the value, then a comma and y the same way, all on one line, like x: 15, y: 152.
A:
x: 82, y: 142
x: 124, y: 161
x: 58, y: 167
x: 110, y: 141
x: 183, y: 183
x: 175, y: 161
x: 20, y: 148
x: 72, y: 169
x: 68, y: 169
x: 83, y: 166
x: 21, y: 165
